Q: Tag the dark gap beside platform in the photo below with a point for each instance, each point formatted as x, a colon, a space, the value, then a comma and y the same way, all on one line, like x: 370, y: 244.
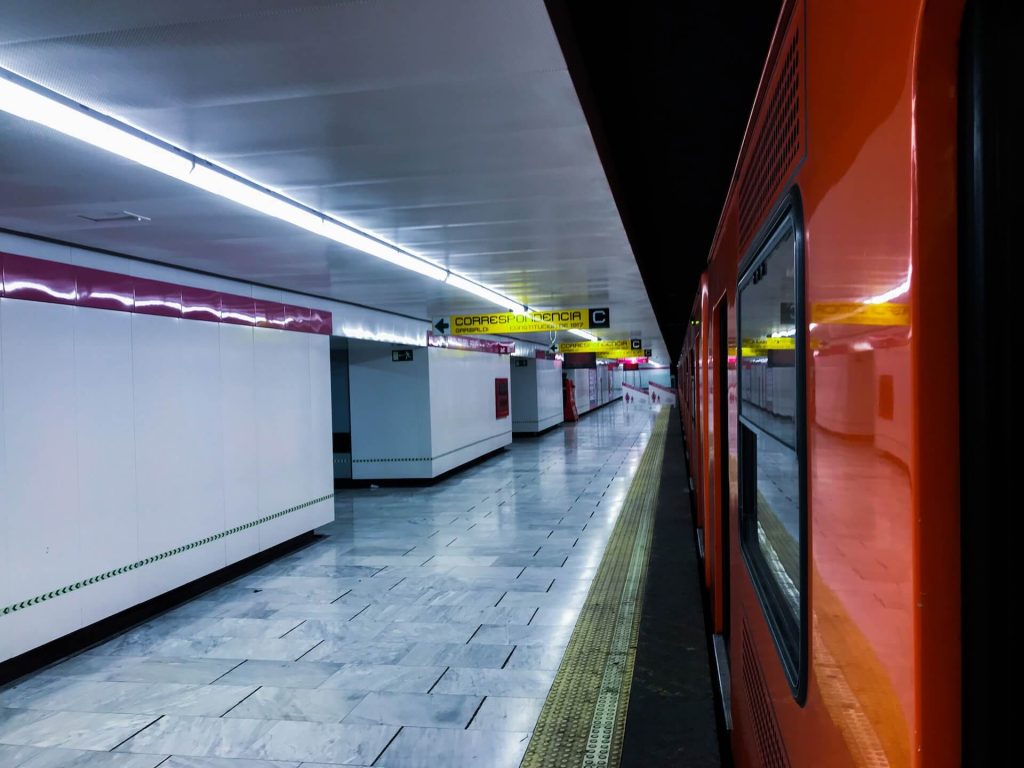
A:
x: 673, y: 718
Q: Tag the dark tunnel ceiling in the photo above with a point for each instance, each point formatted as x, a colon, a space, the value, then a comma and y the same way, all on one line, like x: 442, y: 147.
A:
x: 667, y: 87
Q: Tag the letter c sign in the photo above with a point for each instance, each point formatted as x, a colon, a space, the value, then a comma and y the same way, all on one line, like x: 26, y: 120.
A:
x: 600, y: 318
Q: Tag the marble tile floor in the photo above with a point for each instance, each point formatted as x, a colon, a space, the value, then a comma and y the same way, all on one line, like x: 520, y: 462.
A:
x: 423, y: 627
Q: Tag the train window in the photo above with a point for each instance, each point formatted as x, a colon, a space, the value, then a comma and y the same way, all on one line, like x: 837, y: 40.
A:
x: 772, y: 503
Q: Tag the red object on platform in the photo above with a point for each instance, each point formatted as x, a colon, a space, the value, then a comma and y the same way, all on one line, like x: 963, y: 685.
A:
x: 569, y: 401
x: 500, y: 398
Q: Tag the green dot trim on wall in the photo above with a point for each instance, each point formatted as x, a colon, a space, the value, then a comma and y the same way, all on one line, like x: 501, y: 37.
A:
x: 155, y: 558
x: 386, y: 461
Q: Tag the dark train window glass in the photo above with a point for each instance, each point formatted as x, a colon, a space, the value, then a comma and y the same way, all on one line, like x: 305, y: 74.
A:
x: 771, y: 445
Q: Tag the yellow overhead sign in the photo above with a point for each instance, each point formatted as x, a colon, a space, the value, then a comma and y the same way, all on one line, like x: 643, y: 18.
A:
x: 854, y: 313
x: 745, y: 352
x: 761, y: 347
x: 782, y: 342
x: 487, y: 323
x: 608, y: 348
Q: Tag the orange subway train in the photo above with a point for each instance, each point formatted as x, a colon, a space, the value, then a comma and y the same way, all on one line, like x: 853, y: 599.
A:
x: 844, y: 391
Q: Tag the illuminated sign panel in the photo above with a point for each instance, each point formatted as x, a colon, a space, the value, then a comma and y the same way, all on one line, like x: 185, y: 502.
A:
x: 487, y: 323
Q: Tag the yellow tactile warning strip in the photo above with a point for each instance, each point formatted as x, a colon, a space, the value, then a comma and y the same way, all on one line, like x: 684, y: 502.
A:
x: 584, y: 716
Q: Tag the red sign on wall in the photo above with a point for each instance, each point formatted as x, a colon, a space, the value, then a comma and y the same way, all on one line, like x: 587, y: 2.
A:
x: 500, y: 398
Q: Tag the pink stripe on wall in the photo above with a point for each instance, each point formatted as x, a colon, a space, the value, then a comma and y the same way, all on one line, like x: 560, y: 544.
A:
x: 471, y: 344
x: 28, y: 279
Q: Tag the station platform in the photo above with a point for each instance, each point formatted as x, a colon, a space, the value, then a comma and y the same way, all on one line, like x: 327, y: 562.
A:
x: 488, y: 619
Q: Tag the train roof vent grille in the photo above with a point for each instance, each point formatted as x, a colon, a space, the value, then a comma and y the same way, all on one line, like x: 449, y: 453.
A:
x: 762, y: 715
x: 778, y: 140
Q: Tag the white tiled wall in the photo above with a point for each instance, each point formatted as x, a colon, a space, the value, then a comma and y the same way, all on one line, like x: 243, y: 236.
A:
x: 124, y: 436
x: 390, y: 412
x: 536, y: 395
x: 105, y: 438
x: 437, y: 409
x: 463, y: 425
x: 41, y: 500
x: 239, y: 417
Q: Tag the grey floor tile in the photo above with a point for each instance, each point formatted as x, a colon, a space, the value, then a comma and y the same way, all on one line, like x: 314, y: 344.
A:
x: 428, y: 710
x: 556, y: 617
x: 224, y: 762
x: 532, y: 583
x: 76, y: 695
x: 200, y: 737
x: 254, y: 628
x: 546, y: 657
x: 143, y: 670
x: 496, y: 682
x: 512, y: 598
x: 484, y: 615
x: 480, y: 598
x: 317, y: 629
x: 463, y: 560
x: 322, y: 706
x: 394, y: 608
x: 74, y: 758
x: 325, y: 743
x: 359, y: 652
x: 501, y: 713
x: 341, y: 609
x: 73, y: 730
x: 278, y: 649
x: 280, y: 674
x: 140, y: 640
x: 412, y: 631
x: 432, y: 747
x: 457, y: 655
x: 384, y: 677
x: 518, y: 634
x: 12, y: 756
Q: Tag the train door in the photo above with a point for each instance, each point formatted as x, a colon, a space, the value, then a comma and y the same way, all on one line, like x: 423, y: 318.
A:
x: 698, y: 440
x: 695, y: 446
x: 722, y: 451
x: 712, y: 515
x: 719, y: 406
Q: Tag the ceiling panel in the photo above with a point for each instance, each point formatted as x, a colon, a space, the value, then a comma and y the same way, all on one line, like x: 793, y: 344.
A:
x: 450, y: 127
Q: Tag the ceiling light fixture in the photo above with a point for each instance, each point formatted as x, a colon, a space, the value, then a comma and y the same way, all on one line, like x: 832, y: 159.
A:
x: 457, y: 281
x: 29, y: 101
x: 583, y: 334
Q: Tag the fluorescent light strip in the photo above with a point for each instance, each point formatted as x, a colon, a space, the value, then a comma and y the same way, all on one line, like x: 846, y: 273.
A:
x: 583, y: 334
x: 24, y: 99
x: 381, y: 250
x: 38, y: 107
x: 476, y: 289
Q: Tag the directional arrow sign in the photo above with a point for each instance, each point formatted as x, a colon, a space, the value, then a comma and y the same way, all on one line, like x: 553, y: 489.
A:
x: 442, y: 326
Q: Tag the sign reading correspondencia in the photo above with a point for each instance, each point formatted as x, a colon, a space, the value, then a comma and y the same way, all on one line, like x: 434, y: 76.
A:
x: 486, y: 323
x: 612, y: 348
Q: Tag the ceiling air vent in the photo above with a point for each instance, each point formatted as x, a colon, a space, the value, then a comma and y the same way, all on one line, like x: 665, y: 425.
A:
x: 115, y: 218
x: 762, y: 715
x: 778, y: 138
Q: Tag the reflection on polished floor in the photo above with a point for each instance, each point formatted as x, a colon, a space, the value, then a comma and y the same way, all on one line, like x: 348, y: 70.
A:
x: 423, y: 629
